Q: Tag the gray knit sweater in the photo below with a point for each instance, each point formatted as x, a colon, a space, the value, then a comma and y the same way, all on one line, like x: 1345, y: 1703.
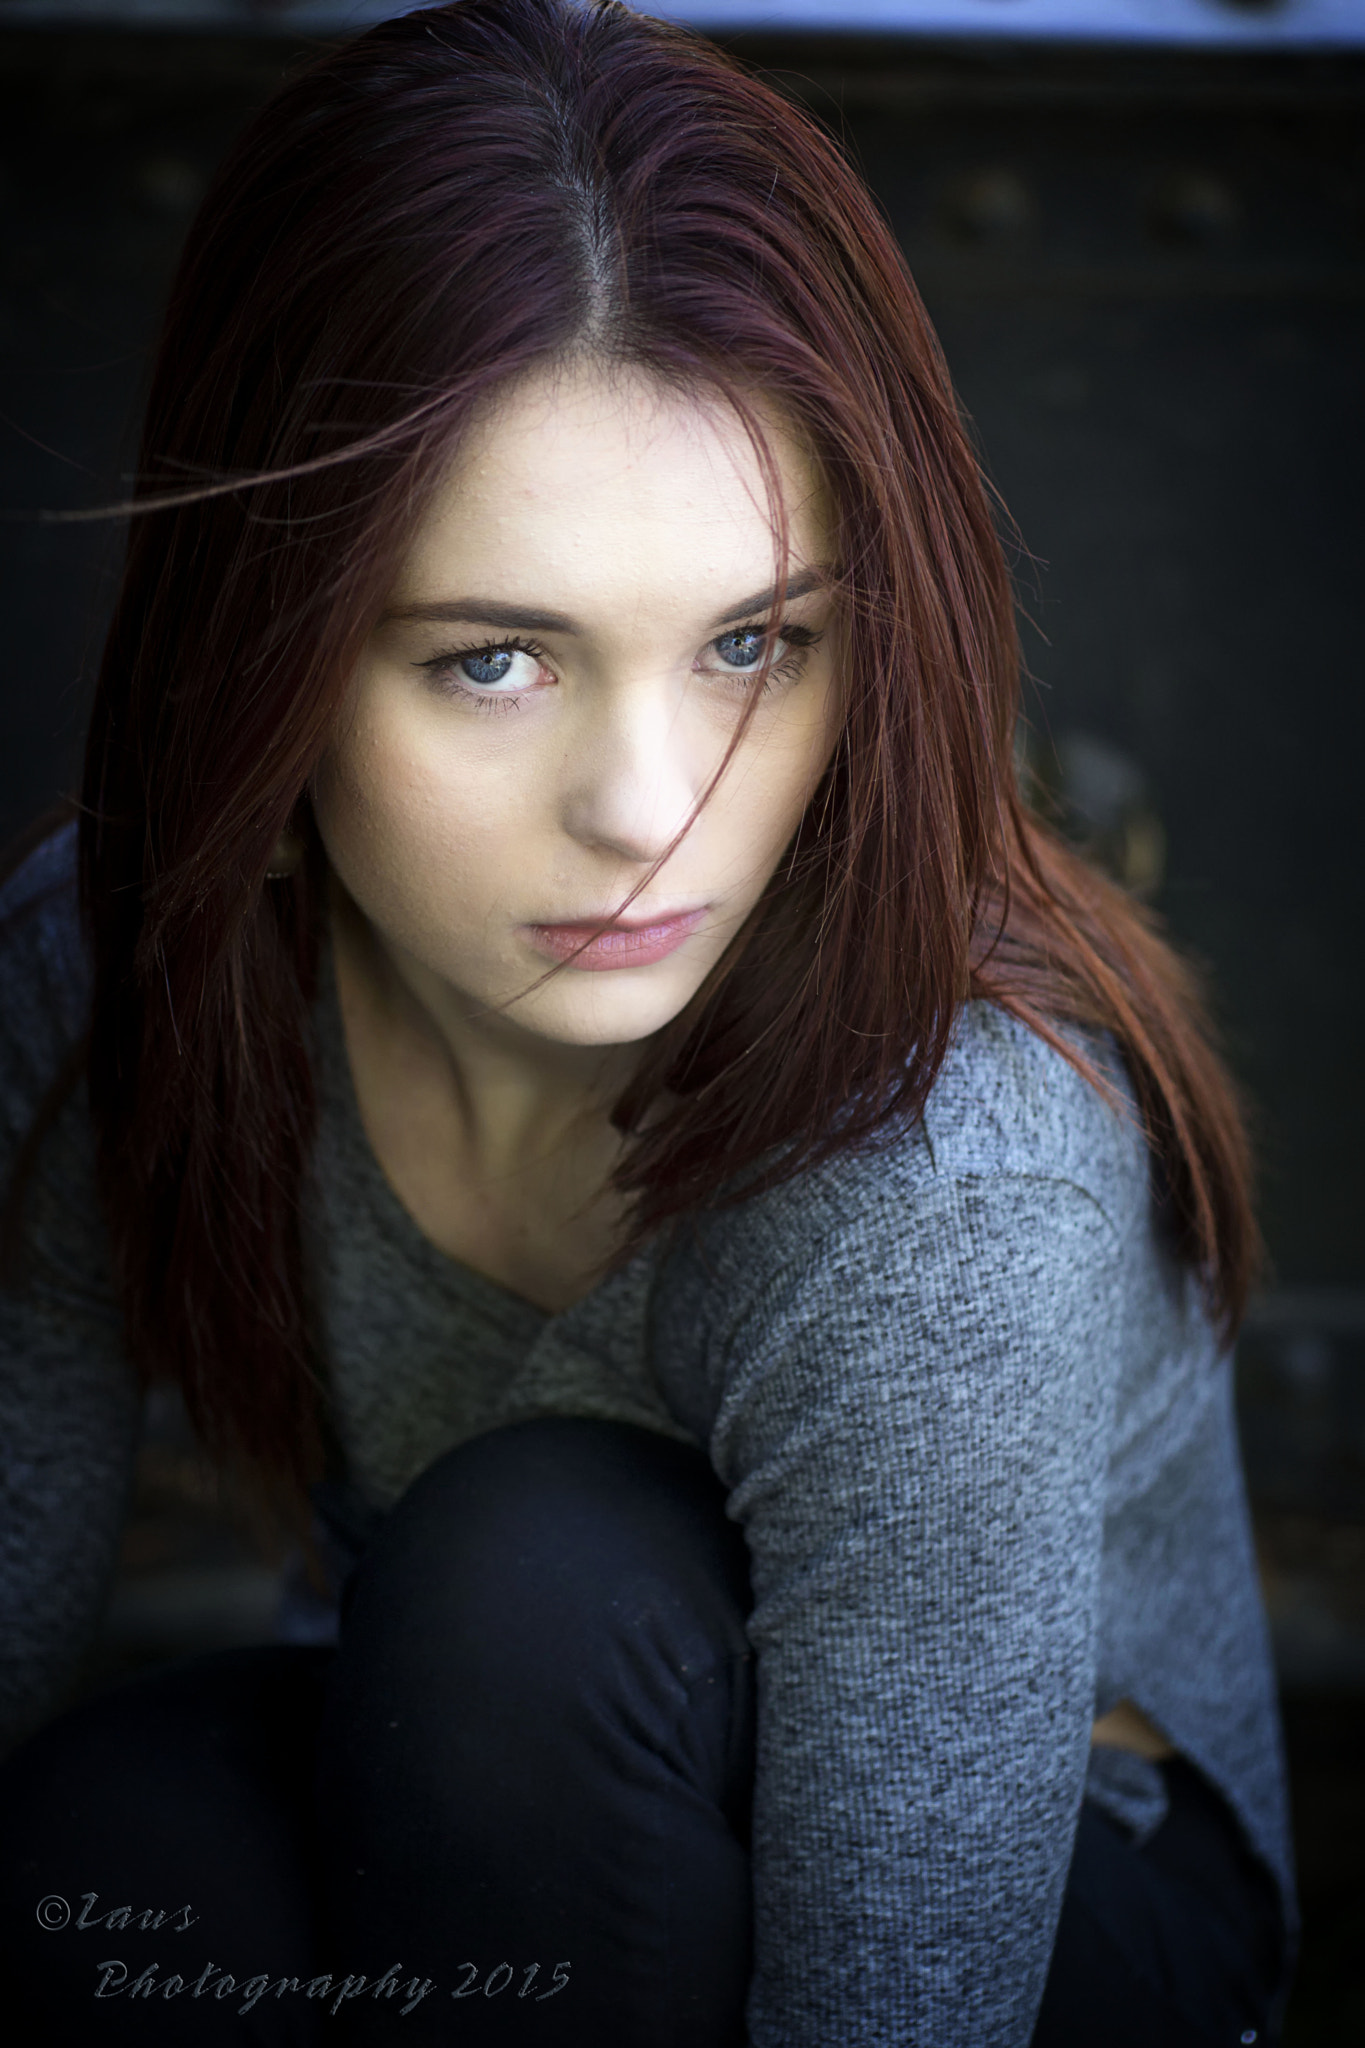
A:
x: 970, y: 1416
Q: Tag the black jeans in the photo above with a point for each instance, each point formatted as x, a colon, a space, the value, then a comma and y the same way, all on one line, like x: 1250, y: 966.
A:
x: 512, y: 1807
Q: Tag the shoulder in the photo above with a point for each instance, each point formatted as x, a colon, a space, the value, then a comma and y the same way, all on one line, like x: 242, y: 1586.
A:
x: 44, y: 1011
x: 1006, y: 1103
x: 1012, y: 1197
x: 44, y: 970
x: 1007, y: 1110
x: 40, y: 928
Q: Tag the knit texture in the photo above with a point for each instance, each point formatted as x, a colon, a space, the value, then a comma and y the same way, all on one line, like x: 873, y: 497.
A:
x: 970, y: 1415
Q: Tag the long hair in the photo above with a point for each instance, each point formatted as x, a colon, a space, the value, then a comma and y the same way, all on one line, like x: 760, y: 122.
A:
x: 435, y: 208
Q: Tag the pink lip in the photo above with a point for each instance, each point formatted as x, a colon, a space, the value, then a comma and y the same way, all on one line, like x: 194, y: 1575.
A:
x: 623, y: 945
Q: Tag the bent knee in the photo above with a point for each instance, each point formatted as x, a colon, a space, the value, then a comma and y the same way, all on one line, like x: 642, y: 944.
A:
x: 540, y: 1529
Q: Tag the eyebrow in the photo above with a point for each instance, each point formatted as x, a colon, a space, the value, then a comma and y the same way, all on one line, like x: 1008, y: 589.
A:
x: 520, y: 618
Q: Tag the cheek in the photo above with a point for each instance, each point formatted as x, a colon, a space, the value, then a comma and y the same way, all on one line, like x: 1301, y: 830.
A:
x: 404, y: 820
x: 820, y: 740
x: 786, y: 774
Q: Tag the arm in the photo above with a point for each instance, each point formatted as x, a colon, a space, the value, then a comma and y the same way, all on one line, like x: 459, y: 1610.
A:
x: 69, y: 1403
x: 913, y: 1424
x: 68, y: 1433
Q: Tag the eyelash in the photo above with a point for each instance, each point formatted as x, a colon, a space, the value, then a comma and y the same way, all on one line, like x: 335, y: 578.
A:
x: 483, y: 700
x: 800, y: 640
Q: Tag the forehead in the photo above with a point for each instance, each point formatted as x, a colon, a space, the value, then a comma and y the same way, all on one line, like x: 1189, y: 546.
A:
x: 584, y: 485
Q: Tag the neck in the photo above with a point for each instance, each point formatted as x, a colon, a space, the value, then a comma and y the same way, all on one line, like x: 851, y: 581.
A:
x: 519, y: 1098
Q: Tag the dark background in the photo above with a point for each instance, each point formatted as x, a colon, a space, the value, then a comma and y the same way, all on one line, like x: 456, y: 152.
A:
x: 1148, y: 273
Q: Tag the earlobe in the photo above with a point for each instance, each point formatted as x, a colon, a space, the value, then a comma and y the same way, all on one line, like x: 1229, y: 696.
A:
x: 285, y: 859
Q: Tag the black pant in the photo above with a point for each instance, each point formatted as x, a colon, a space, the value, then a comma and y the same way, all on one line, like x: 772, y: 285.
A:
x: 524, y: 1779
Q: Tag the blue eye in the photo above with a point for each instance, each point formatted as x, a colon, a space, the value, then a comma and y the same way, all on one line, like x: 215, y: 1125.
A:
x: 747, y: 648
x: 488, y: 676
x: 490, y: 665
x: 741, y: 649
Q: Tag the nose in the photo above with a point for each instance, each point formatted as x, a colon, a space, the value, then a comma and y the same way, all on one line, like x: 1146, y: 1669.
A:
x: 631, y: 782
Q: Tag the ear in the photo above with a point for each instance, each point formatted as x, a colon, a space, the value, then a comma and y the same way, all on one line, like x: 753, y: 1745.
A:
x: 285, y: 858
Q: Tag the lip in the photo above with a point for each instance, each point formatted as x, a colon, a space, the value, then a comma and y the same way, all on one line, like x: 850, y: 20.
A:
x: 621, y: 945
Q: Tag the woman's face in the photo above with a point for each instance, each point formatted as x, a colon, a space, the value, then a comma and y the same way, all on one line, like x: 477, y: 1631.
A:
x: 553, y: 682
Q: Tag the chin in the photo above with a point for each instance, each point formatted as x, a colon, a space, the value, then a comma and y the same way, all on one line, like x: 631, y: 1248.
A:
x: 597, y: 1015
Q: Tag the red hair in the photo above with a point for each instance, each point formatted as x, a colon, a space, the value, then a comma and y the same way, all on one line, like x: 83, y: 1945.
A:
x: 449, y: 201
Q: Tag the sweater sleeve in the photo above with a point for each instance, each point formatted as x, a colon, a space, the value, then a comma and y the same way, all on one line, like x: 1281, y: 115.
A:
x: 69, y: 1438
x: 69, y: 1402
x: 913, y: 1421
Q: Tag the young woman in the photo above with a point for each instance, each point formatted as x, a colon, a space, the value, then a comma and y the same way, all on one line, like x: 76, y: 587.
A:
x: 557, y: 1031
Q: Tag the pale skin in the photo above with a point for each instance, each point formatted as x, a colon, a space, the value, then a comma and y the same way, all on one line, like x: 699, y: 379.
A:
x: 564, y: 657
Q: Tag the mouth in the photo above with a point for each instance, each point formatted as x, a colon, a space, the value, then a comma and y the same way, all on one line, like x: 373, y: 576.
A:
x: 622, y: 944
